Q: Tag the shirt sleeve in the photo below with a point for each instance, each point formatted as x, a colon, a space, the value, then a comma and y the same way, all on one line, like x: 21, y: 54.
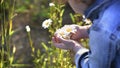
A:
x: 82, y: 53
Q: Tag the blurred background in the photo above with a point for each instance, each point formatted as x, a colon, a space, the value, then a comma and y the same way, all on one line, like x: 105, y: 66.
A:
x: 22, y: 49
x: 32, y: 13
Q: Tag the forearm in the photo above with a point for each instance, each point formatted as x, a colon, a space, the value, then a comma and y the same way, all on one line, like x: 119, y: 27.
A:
x: 77, y: 47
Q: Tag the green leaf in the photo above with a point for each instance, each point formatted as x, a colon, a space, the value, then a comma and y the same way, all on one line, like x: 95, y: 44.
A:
x: 61, y: 13
x: 44, y: 45
x: 72, y: 17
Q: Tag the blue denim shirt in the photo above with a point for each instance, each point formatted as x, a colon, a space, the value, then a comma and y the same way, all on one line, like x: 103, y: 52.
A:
x: 104, y: 36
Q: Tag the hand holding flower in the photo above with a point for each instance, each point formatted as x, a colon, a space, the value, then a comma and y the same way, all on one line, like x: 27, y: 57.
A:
x: 66, y: 44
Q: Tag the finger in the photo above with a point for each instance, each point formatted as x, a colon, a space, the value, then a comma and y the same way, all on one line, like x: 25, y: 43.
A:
x: 61, y: 46
x: 62, y: 40
x: 55, y: 40
x: 55, y: 43
x: 72, y: 36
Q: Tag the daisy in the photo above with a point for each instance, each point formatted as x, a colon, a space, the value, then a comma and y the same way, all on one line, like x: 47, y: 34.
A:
x: 65, y: 32
x: 60, y: 33
x: 69, y: 29
x: 46, y: 23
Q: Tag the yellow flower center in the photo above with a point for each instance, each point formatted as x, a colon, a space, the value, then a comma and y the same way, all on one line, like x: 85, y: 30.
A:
x: 68, y: 29
x: 61, y: 33
x: 47, y: 23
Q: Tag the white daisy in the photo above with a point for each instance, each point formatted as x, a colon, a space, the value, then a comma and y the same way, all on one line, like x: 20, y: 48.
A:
x: 51, y: 4
x: 65, y: 32
x: 60, y: 33
x: 69, y: 29
x: 46, y: 23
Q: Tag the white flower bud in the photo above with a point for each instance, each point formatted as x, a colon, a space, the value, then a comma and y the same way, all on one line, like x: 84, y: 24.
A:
x: 27, y: 28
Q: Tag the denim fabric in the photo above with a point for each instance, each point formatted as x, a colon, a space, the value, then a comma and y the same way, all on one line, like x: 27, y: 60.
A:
x: 104, y: 40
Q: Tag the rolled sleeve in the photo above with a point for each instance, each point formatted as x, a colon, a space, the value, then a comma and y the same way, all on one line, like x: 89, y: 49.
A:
x: 79, y: 55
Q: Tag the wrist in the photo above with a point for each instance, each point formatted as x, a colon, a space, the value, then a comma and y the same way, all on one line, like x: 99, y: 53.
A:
x: 77, y: 47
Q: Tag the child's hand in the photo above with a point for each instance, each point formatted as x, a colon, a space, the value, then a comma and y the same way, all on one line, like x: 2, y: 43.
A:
x: 81, y: 32
x: 66, y: 44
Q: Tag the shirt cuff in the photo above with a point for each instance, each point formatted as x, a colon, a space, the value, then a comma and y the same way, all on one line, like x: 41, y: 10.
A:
x: 78, y: 56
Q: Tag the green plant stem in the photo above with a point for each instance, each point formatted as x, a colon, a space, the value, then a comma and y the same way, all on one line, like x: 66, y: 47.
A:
x: 31, y: 42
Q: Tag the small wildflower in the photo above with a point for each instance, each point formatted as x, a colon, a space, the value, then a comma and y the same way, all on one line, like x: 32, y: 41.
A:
x: 27, y: 28
x: 51, y: 4
x: 69, y: 29
x: 46, y: 23
x: 87, y: 21
x: 83, y: 16
x: 60, y: 33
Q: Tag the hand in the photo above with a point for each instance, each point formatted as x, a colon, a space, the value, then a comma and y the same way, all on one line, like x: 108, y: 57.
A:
x: 66, y: 44
x: 80, y: 33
